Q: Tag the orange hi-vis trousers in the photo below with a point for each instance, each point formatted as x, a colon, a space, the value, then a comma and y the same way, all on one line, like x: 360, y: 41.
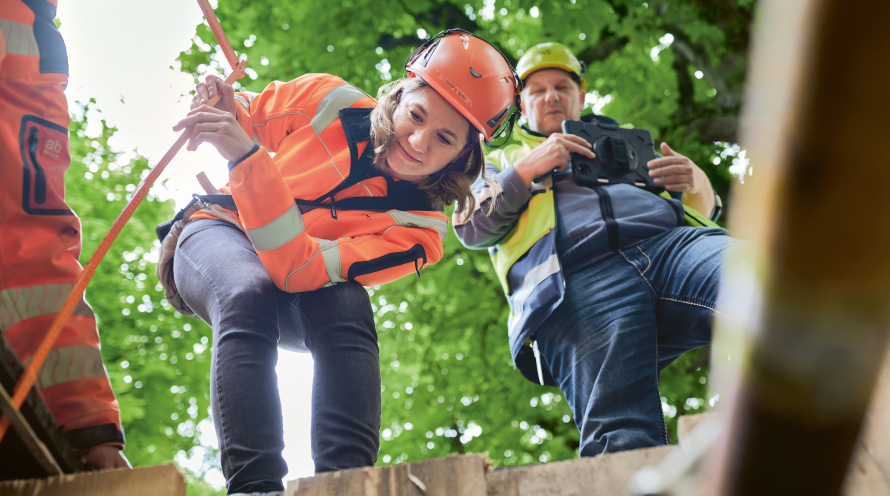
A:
x: 39, y: 234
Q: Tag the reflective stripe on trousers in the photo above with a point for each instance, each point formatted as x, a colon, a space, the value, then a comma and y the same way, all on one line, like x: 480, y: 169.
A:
x: 534, y: 277
x: 18, y: 304
x: 69, y: 364
x: 62, y: 364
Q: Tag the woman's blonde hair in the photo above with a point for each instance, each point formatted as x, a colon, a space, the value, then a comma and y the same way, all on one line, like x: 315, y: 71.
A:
x: 449, y: 185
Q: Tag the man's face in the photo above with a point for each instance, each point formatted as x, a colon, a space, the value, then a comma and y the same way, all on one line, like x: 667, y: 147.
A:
x: 551, y: 96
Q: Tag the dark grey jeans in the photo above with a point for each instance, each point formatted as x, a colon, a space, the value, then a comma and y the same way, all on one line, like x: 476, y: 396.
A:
x: 221, y: 278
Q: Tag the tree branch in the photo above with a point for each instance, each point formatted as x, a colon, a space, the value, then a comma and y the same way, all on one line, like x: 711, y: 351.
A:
x: 728, y: 97
x: 602, y: 50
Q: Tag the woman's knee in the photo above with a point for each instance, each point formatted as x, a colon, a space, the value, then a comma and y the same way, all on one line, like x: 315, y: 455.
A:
x: 340, y: 313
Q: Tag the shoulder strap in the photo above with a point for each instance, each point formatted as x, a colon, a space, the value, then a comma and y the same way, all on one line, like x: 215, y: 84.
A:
x: 357, y: 128
x: 402, y: 195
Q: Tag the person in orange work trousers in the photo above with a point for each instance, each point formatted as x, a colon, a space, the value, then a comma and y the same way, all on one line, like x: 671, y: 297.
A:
x: 352, y: 197
x: 40, y: 243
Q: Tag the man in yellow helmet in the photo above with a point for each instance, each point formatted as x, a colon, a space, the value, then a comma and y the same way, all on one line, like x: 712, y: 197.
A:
x: 606, y: 284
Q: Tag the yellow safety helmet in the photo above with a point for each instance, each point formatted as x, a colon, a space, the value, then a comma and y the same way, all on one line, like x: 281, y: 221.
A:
x: 552, y: 55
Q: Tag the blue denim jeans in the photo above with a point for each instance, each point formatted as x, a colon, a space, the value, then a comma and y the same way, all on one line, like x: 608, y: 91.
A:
x: 221, y: 278
x: 624, y: 318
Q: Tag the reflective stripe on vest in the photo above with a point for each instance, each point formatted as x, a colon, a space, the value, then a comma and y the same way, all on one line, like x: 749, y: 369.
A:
x: 540, y: 216
x: 18, y: 304
x: 69, y: 364
x: 20, y: 38
x: 278, y: 232
x: 408, y: 219
x: 538, y: 219
x: 532, y: 279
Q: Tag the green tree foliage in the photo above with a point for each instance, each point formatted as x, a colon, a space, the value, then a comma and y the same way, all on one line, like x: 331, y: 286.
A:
x: 158, y: 361
x: 676, y: 68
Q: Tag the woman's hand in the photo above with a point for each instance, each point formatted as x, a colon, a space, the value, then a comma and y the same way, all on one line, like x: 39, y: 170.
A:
x: 217, y: 127
x: 211, y: 87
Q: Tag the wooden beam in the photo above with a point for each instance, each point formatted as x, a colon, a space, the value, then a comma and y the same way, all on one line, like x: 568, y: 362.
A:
x: 605, y: 475
x: 813, y: 292
x: 456, y: 475
x: 141, y: 481
x: 35, y: 447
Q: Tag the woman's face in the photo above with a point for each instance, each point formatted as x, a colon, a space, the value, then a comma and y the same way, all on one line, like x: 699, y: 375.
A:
x: 428, y: 134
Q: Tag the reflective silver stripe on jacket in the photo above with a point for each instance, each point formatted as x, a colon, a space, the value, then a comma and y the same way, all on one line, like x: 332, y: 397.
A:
x: 408, y: 219
x: 69, y: 364
x: 18, y: 304
x: 534, y: 277
x: 244, y: 100
x: 279, y: 232
x: 19, y: 37
x: 330, y: 252
x: 328, y: 109
x: 287, y: 279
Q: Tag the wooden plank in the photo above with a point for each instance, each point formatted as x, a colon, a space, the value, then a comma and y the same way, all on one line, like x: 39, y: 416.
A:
x: 686, y: 423
x: 142, y: 481
x: 604, y: 475
x: 869, y: 471
x: 812, y: 295
x: 29, y: 438
x: 16, y: 461
x: 452, y: 476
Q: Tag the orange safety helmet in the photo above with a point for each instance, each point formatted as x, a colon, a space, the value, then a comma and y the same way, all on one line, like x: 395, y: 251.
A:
x: 473, y: 76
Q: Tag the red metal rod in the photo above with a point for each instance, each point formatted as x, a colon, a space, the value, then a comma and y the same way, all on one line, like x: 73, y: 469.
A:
x: 216, y: 28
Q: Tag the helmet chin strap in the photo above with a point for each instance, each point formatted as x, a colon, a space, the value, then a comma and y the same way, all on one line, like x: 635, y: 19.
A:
x: 508, y: 124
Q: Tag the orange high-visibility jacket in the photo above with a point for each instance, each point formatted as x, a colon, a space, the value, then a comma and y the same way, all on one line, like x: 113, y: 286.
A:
x: 318, y: 128
x: 40, y: 240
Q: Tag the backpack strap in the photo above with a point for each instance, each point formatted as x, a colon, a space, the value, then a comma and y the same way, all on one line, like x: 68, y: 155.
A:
x: 401, y: 195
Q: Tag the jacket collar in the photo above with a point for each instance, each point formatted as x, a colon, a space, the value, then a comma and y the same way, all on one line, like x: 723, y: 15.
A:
x: 357, y: 128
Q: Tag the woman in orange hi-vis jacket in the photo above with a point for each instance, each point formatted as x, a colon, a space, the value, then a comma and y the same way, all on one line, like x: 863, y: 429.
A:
x: 352, y: 197
x: 40, y: 237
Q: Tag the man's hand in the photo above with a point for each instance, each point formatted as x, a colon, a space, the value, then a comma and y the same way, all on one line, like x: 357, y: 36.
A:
x: 105, y: 457
x: 552, y: 154
x: 678, y: 173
